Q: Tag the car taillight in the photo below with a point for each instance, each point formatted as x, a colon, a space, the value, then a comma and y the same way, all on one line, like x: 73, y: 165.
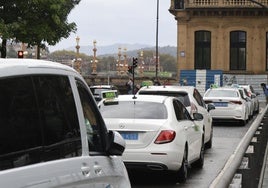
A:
x: 236, y: 102
x: 165, y: 136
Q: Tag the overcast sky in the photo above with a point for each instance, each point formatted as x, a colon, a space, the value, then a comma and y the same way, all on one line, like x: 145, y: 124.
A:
x: 120, y: 21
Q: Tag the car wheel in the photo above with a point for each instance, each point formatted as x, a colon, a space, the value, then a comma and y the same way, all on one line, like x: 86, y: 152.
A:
x: 183, y: 171
x: 200, y: 162
x: 243, y: 122
x: 209, y: 143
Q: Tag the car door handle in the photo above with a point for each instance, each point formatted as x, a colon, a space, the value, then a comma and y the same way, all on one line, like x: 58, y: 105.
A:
x: 97, y: 169
x: 85, y: 170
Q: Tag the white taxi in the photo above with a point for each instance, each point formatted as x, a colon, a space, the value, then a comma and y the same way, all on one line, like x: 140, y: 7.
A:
x: 191, y: 99
x: 159, y: 132
x: 229, y: 104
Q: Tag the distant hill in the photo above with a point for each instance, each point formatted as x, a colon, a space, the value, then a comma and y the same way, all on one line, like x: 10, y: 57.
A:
x: 132, y: 49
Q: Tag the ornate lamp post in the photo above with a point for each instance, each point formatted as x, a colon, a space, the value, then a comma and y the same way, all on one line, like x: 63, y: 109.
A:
x: 119, y: 62
x: 141, y: 67
x: 94, y: 63
x: 77, y: 62
x: 125, y: 61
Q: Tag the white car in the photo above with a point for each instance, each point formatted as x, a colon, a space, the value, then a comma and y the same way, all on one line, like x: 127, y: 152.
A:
x: 253, y: 95
x: 52, y: 133
x: 159, y: 132
x: 191, y: 99
x: 249, y: 101
x: 229, y: 104
x: 99, y: 91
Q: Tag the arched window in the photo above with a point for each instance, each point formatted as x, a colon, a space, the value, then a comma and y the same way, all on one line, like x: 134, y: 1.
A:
x: 202, y: 50
x: 238, y: 42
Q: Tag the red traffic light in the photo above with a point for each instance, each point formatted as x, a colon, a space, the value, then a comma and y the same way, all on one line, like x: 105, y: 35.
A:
x: 130, y: 69
x: 20, y: 54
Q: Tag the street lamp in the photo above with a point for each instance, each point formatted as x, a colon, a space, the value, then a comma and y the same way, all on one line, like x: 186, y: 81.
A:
x: 77, y: 65
x: 156, y: 45
x: 94, y: 63
x: 119, y: 61
x: 141, y: 67
x: 125, y: 61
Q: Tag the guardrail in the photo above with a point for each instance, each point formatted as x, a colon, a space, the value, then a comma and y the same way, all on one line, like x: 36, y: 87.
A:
x: 244, y: 167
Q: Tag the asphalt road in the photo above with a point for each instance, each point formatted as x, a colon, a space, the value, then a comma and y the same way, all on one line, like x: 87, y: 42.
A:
x: 225, y: 140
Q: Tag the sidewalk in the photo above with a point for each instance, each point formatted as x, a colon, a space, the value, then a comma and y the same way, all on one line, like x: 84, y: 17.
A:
x: 265, y: 170
x: 264, y: 173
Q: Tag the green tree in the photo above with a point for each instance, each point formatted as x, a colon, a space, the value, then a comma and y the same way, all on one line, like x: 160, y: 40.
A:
x: 36, y: 22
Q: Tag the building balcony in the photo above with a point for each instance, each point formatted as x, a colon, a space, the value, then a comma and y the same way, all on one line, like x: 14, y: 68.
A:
x: 217, y: 4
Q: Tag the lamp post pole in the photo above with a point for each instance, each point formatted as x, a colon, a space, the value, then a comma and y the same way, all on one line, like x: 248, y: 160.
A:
x: 77, y: 61
x: 156, y: 45
x: 94, y: 63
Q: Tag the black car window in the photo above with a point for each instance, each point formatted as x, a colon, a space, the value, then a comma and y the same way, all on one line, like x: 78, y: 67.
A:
x: 199, y: 98
x: 182, y: 96
x: 180, y: 111
x: 38, y: 121
x: 92, y: 119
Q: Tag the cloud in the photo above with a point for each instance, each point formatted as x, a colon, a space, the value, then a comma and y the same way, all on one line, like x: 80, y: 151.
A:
x: 121, y: 21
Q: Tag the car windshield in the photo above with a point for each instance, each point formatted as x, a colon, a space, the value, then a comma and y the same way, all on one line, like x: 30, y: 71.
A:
x: 222, y: 93
x: 182, y: 96
x: 134, y: 110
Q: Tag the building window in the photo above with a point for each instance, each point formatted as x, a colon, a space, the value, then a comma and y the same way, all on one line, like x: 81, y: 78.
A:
x: 179, y: 4
x: 238, y: 50
x: 266, y: 51
x: 202, y: 50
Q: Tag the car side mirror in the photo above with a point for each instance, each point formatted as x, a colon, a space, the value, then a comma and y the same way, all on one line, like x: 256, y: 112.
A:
x: 116, y: 143
x: 198, y: 116
x: 210, y: 107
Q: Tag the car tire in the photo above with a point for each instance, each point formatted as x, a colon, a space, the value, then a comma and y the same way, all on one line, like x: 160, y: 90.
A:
x: 200, y: 162
x: 243, y: 122
x: 208, y: 145
x: 183, y: 171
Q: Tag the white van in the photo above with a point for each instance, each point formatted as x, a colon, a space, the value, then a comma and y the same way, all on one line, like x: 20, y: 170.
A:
x: 51, y: 132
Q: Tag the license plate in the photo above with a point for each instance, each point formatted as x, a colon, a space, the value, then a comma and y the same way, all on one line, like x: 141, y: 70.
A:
x: 220, y: 104
x: 129, y: 136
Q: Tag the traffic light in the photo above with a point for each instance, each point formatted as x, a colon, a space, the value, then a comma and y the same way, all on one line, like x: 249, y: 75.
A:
x: 135, y: 62
x: 20, y: 54
x: 130, y: 69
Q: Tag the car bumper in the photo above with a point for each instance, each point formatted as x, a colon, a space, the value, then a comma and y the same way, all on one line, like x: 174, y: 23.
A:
x: 153, y: 160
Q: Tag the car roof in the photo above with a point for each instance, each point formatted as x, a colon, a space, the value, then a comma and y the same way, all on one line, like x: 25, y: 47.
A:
x: 145, y: 98
x: 9, y: 67
x: 102, y: 86
x: 188, y: 89
x: 225, y: 88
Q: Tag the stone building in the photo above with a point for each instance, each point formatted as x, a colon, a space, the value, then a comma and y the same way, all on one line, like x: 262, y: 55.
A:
x: 228, y: 35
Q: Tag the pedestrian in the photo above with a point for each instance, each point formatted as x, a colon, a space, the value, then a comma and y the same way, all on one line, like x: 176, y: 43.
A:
x: 265, y: 91
x: 157, y: 82
x: 130, y: 86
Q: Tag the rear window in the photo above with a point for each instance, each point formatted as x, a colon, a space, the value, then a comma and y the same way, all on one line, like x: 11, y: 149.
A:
x: 222, y: 93
x: 182, y: 96
x: 134, y: 110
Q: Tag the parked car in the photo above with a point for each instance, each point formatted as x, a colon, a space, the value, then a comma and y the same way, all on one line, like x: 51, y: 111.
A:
x: 253, y: 95
x: 99, y: 91
x: 229, y: 104
x: 191, y: 99
x: 52, y: 133
x: 249, y: 101
x: 159, y: 132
